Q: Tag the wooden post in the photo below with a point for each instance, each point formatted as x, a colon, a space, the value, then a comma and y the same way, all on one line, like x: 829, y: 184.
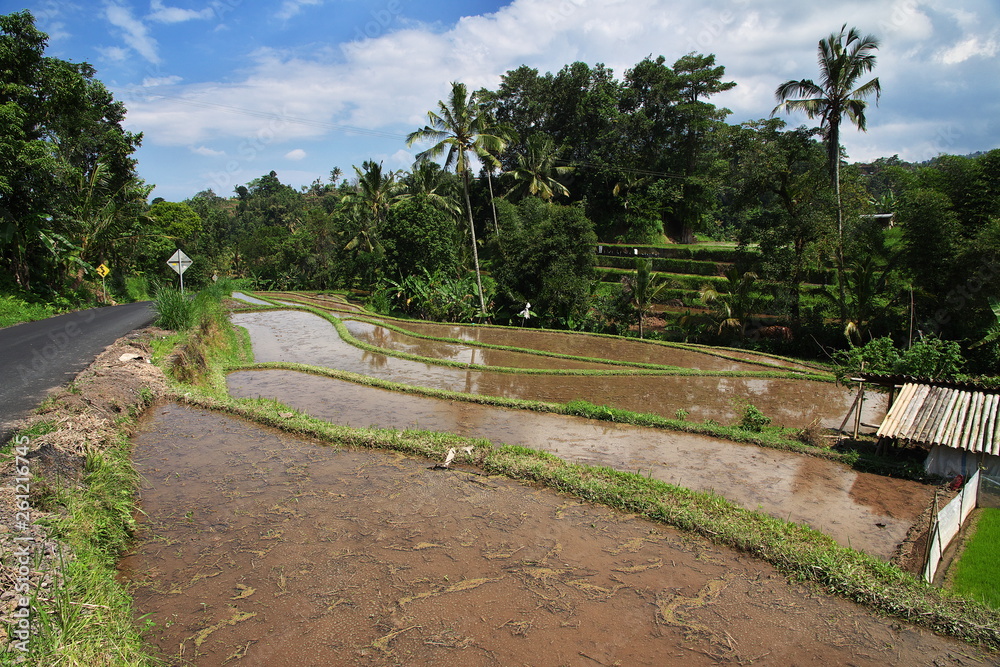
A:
x: 861, y: 403
x: 930, y: 531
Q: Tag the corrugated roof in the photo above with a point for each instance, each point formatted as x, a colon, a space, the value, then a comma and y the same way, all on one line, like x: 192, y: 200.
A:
x: 895, y: 379
x: 943, y: 415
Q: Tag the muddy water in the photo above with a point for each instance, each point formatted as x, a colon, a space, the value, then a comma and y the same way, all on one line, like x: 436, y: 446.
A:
x: 250, y: 299
x: 599, y: 347
x: 466, y: 354
x: 580, y: 345
x: 868, y: 512
x: 306, y: 338
x: 261, y: 549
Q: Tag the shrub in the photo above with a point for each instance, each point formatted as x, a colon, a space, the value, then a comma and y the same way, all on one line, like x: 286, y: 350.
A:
x: 753, y: 419
x: 174, y: 310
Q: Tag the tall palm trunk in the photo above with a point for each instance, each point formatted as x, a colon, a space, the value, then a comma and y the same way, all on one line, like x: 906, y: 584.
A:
x: 834, y: 149
x: 475, y: 251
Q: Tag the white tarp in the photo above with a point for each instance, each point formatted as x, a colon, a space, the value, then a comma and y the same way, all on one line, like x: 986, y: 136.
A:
x: 948, y: 462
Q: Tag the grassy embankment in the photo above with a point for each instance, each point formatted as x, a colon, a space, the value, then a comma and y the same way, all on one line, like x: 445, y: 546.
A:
x: 802, y: 553
x: 85, y: 616
x: 977, y: 573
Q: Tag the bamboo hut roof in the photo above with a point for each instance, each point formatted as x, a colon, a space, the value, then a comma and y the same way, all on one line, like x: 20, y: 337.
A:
x: 952, y: 414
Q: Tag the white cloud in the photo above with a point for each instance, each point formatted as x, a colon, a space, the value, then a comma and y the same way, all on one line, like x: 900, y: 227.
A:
x: 295, y: 154
x: 207, y: 152
x: 968, y: 48
x: 290, y: 8
x: 113, y: 53
x: 386, y: 84
x: 153, y: 81
x: 135, y: 32
x: 163, y: 14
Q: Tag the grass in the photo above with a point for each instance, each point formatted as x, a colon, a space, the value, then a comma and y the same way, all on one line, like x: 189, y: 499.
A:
x: 14, y: 310
x: 85, y: 617
x: 977, y: 573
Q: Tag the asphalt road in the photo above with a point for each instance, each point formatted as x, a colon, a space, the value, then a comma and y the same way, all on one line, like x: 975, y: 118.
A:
x: 37, y: 357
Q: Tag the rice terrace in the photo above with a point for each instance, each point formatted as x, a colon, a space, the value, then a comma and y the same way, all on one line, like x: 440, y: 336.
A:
x: 571, y: 367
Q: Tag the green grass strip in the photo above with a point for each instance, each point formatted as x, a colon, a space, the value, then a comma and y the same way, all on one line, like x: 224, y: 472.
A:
x: 86, y: 617
x: 977, y: 573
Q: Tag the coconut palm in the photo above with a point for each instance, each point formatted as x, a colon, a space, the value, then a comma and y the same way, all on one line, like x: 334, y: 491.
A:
x: 370, y: 200
x: 536, y: 172
x: 462, y: 129
x: 844, y: 58
x: 440, y: 187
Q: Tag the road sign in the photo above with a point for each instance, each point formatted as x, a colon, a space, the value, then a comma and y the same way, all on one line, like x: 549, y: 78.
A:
x: 180, y: 262
x: 103, y: 270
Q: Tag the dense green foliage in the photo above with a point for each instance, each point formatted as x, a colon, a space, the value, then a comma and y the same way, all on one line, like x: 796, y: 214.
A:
x: 69, y: 196
x: 809, y: 263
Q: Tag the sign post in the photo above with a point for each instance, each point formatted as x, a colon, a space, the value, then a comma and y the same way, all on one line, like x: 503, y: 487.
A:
x: 179, y: 262
x: 103, y: 271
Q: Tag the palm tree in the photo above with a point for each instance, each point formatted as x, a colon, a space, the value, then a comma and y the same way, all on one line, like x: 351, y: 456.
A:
x: 645, y: 289
x: 536, y: 172
x: 735, y: 306
x: 843, y: 60
x: 370, y: 200
x: 462, y: 128
x: 440, y: 188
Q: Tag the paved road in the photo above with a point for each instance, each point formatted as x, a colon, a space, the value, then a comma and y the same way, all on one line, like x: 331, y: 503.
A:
x: 36, y: 357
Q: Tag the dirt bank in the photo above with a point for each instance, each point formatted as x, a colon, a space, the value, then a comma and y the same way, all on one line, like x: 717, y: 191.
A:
x: 85, y: 416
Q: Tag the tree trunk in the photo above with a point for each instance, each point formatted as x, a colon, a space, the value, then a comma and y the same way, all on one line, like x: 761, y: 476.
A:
x: 475, y: 251
x: 834, y: 153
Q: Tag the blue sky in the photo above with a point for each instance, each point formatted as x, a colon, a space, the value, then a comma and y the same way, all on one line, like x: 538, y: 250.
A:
x: 227, y: 90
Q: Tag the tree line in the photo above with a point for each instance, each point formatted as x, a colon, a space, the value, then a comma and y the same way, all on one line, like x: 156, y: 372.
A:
x: 514, y: 188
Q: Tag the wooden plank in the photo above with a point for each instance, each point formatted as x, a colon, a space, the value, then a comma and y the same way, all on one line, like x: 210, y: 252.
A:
x: 946, y: 415
x: 913, y: 411
x: 996, y: 430
x: 928, y: 413
x: 956, y: 420
x: 989, y: 427
x: 945, y: 396
x: 970, y: 441
x: 888, y: 427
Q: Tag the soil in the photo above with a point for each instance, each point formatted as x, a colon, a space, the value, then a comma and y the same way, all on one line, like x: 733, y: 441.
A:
x: 120, y: 381
x: 260, y: 548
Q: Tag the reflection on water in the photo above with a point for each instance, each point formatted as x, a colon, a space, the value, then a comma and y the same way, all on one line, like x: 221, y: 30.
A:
x: 820, y: 493
x: 301, y: 337
x: 393, y: 340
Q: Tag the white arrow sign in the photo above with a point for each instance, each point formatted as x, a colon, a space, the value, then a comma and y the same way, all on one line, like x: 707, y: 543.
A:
x: 180, y: 262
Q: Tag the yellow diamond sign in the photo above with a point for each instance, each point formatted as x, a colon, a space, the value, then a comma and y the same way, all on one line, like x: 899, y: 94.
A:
x: 103, y: 270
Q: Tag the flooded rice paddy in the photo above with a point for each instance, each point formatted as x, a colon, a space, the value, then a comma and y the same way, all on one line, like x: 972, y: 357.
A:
x: 258, y: 548
x: 578, y: 344
x: 866, y: 511
x: 295, y: 336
